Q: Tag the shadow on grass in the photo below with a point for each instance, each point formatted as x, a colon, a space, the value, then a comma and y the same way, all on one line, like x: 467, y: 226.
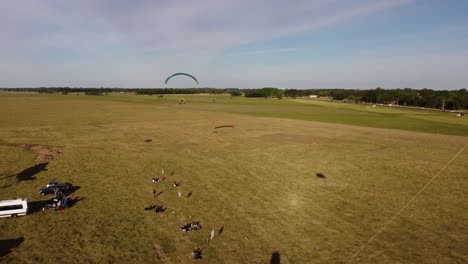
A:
x: 189, y: 194
x: 320, y: 175
x: 29, y: 173
x: 36, y: 206
x: 6, y: 245
x: 275, y: 258
x: 221, y: 230
x: 73, y: 189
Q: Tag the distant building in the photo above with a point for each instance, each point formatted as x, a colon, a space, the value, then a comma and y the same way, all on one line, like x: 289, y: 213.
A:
x: 325, y: 98
x: 313, y: 96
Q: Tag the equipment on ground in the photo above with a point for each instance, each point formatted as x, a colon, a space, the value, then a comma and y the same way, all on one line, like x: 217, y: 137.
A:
x: 57, y: 203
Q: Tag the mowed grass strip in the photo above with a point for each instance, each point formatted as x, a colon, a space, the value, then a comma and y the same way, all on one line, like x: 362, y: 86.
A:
x: 300, y: 109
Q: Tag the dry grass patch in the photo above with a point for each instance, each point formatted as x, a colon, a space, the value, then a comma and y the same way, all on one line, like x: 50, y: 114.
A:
x: 43, y: 153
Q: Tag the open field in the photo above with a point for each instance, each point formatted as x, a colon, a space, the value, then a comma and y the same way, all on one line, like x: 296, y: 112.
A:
x: 257, y: 180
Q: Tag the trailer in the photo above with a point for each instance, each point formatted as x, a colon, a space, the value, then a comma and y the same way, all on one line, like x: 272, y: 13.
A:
x: 13, y: 208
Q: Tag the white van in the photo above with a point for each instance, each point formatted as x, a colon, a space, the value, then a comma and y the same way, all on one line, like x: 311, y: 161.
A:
x: 13, y: 207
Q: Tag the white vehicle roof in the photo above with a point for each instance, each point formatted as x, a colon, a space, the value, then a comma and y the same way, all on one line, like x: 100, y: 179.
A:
x: 8, y: 202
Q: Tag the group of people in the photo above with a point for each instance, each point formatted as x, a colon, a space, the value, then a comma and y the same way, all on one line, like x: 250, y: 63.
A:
x: 189, y: 227
x: 192, y: 226
x: 60, y: 201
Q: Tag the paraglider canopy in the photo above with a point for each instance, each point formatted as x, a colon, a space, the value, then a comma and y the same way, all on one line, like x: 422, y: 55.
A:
x: 181, y: 73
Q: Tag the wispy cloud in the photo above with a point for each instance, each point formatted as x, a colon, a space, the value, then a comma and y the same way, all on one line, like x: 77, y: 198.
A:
x: 137, y: 43
x: 267, y: 51
x: 170, y: 25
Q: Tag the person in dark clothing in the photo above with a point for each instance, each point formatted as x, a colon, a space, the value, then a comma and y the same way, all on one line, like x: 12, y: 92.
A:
x: 151, y: 207
x: 197, y: 254
x: 160, y: 209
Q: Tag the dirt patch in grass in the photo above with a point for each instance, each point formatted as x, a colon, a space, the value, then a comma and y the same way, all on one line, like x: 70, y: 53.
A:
x: 43, y: 153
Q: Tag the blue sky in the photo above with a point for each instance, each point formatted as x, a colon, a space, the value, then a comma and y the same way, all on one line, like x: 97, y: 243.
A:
x: 288, y: 44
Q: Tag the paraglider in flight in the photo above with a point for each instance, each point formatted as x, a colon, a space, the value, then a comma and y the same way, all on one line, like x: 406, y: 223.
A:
x: 181, y: 73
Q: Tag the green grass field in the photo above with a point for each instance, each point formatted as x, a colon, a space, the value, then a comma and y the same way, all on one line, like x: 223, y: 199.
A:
x: 257, y: 180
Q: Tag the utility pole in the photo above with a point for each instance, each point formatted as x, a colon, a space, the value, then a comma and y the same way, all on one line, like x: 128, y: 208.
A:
x: 443, y: 105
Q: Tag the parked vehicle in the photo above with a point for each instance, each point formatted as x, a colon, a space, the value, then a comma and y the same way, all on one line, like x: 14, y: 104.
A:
x: 51, y: 190
x: 59, y: 184
x: 13, y: 208
x: 45, y: 191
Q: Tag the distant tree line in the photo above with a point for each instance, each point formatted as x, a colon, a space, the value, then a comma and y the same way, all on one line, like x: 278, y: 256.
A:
x: 450, y: 100
x: 152, y: 91
x: 66, y: 90
x: 265, y: 92
x: 454, y: 99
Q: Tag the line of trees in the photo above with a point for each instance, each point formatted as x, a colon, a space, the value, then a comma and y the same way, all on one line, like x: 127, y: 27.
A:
x: 102, y: 90
x: 454, y: 99
x: 152, y: 91
x: 451, y: 100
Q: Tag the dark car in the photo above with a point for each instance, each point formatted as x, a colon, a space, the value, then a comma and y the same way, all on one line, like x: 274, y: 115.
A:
x: 59, y: 184
x: 51, y: 190
x: 52, y: 186
x: 45, y: 191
